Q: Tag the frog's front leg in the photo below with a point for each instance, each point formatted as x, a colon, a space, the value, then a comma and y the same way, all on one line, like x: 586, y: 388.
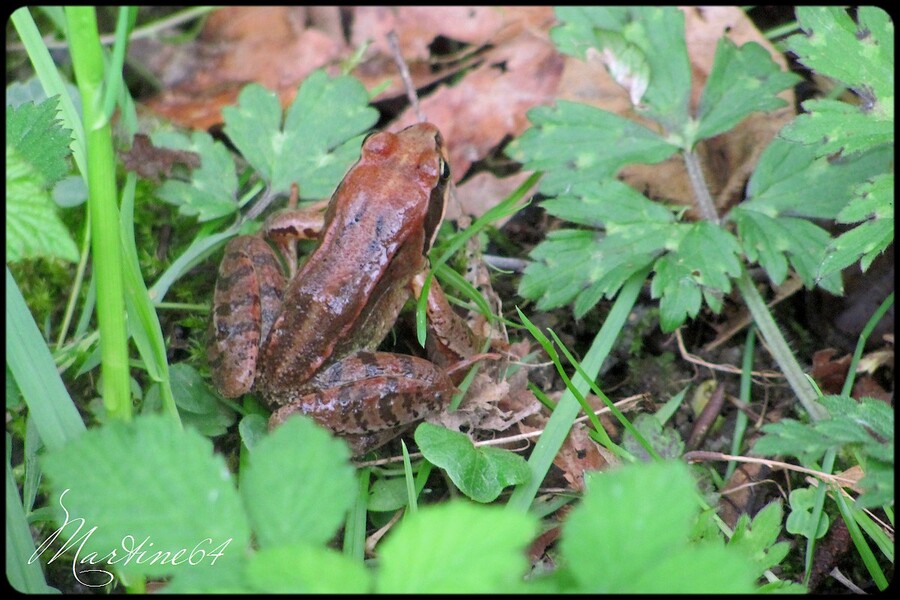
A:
x: 369, y: 397
x: 450, y: 339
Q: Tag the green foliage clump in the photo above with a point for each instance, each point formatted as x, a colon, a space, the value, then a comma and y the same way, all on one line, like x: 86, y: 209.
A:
x: 150, y: 481
x: 619, y: 232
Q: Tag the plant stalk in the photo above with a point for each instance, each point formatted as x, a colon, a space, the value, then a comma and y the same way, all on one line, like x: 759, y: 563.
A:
x: 87, y: 60
x: 778, y: 346
x: 705, y: 204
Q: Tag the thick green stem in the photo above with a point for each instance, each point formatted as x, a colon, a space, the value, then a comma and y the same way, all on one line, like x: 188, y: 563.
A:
x: 778, y: 346
x: 761, y: 315
x: 87, y: 60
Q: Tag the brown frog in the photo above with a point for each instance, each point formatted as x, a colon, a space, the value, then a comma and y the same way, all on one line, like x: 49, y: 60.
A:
x: 305, y: 343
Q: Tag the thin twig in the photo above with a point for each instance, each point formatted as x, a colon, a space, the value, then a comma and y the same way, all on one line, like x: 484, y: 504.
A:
x: 693, y: 358
x: 404, y: 75
x: 703, y: 455
x: 500, y: 441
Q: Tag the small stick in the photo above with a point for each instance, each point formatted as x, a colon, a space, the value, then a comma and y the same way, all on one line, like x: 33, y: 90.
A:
x: 404, y: 75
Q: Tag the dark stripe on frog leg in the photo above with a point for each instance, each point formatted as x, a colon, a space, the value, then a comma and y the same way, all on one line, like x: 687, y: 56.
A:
x: 226, y: 309
x: 226, y: 282
x: 242, y: 327
x: 269, y: 290
x: 387, y: 404
x: 370, y: 362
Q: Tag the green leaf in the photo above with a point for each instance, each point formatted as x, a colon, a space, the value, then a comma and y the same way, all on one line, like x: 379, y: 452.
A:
x: 33, y: 227
x: 456, y: 547
x: 789, y: 180
x: 800, y: 522
x: 298, y: 484
x: 642, y: 47
x: 652, y: 552
x: 479, y: 473
x: 666, y: 441
x: 253, y: 428
x: 742, y: 81
x: 586, y: 266
x: 566, y: 142
x: 149, y: 480
x: 387, y: 495
x: 597, y: 204
x: 872, y: 199
x: 212, y: 190
x: 306, y: 569
x: 865, y: 241
x: 771, y: 241
x: 859, y: 55
x: 36, y: 151
x: 39, y: 140
x: 198, y: 406
x: 794, y: 438
x: 867, y: 425
x: 758, y: 541
x: 838, y: 128
x: 875, y: 199
x: 321, y: 135
x: 701, y: 266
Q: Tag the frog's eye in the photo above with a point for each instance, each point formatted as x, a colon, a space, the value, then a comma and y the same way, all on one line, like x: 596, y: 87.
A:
x: 445, y: 169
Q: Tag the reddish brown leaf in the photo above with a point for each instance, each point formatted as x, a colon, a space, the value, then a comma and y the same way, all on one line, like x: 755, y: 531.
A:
x: 276, y: 47
x: 828, y: 372
x: 481, y: 192
x: 579, y: 453
x: 150, y: 162
x: 477, y: 113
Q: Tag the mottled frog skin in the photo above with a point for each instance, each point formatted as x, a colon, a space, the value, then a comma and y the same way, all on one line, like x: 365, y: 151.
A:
x: 306, y: 343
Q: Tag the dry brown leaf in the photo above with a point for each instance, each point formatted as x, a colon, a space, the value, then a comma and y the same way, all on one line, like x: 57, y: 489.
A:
x: 830, y: 373
x: 276, y: 47
x: 492, y: 405
x: 483, y: 191
x: 867, y: 387
x: 743, y: 493
x: 490, y: 102
x: 579, y: 453
x: 872, y: 361
x: 150, y: 162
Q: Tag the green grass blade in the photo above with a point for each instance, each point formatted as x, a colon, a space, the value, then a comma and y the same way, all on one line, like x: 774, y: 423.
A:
x: 355, y: 524
x: 621, y: 418
x: 861, y: 342
x: 200, y: 249
x: 24, y: 577
x: 114, y: 83
x: 740, y: 424
x: 412, y: 501
x: 504, y: 208
x: 32, y: 366
x: 562, y: 418
x: 778, y: 346
x: 143, y: 320
x: 868, y: 558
